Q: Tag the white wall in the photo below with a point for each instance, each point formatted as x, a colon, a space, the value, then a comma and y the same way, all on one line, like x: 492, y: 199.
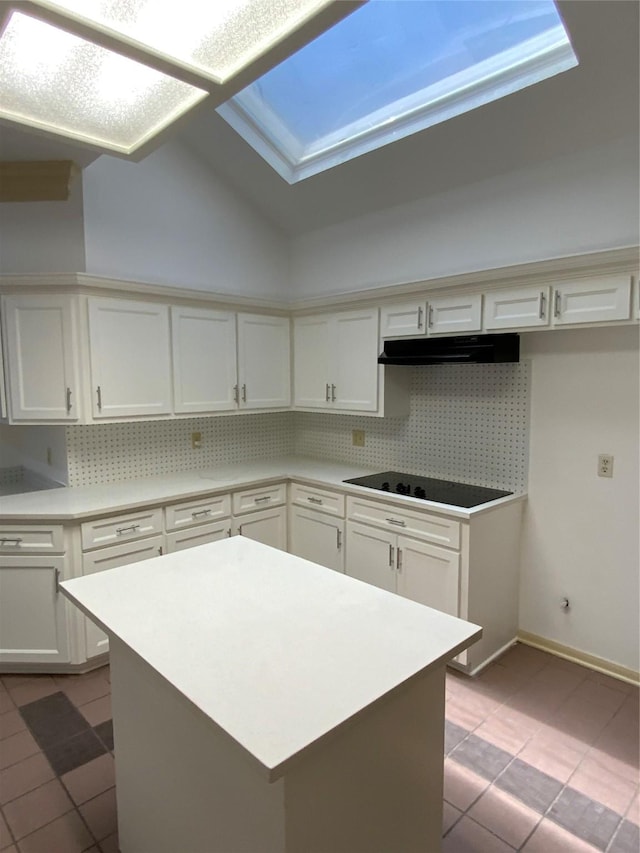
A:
x: 43, y: 236
x: 170, y: 220
x: 27, y: 446
x: 580, y: 203
x: 580, y: 536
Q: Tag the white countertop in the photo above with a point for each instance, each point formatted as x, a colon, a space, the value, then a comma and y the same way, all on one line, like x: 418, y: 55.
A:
x: 275, y: 650
x: 68, y: 504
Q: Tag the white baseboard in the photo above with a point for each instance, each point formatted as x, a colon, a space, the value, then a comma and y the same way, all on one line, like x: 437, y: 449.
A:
x: 607, y: 667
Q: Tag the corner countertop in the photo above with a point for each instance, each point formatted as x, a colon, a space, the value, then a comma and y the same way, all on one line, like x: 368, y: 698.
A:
x: 285, y: 651
x: 82, y: 502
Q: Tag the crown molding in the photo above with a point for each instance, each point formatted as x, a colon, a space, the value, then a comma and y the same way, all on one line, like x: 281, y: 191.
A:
x: 587, y: 265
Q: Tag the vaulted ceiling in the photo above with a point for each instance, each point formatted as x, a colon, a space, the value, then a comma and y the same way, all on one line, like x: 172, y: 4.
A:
x: 581, y: 108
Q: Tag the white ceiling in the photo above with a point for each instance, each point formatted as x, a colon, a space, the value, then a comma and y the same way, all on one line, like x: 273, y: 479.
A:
x: 594, y: 103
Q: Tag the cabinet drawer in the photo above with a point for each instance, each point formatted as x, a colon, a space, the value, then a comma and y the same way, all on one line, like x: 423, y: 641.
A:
x: 320, y: 499
x: 259, y: 498
x: 121, y: 528
x: 195, y: 512
x: 121, y: 555
x: 200, y: 535
x: 421, y: 525
x: 31, y: 539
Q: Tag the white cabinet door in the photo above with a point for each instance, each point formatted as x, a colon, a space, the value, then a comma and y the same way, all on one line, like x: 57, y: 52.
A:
x: 371, y: 555
x: 204, y: 360
x: 517, y: 308
x: 311, y: 361
x: 428, y: 575
x: 449, y: 315
x: 317, y: 537
x: 268, y: 526
x: 354, y: 376
x: 41, y: 352
x: 33, y: 626
x: 130, y: 358
x: 592, y: 300
x: 264, y: 361
x: 110, y: 558
x: 405, y: 319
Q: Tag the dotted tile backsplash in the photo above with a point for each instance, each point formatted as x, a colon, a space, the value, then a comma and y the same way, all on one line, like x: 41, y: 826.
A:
x: 467, y: 422
x: 104, y: 453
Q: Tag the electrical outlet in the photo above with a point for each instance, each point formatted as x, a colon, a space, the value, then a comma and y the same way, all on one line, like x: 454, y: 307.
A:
x: 196, y: 440
x: 605, y: 465
x: 357, y: 438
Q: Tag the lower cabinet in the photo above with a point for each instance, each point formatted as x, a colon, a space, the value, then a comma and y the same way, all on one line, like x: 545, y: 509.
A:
x: 317, y: 537
x: 416, y: 570
x: 33, y: 619
x: 97, y: 642
x: 201, y: 535
x: 268, y: 526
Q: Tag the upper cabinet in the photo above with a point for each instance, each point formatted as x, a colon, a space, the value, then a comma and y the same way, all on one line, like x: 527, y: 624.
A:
x: 336, y: 361
x: 41, y: 358
x: 440, y: 315
x: 223, y: 361
x: 403, y: 319
x: 264, y: 361
x: 516, y: 308
x: 592, y: 300
x: 130, y: 358
x: 453, y: 315
x: 204, y: 360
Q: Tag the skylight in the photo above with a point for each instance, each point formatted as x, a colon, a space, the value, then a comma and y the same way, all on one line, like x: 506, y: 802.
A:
x: 390, y: 69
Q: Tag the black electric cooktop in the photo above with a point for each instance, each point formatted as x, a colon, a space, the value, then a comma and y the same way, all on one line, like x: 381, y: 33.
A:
x: 429, y: 489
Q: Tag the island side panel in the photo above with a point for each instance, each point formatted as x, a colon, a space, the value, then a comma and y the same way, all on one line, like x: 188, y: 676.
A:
x: 181, y: 783
x: 377, y: 785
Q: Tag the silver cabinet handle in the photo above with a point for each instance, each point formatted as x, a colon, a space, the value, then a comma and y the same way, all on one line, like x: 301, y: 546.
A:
x: 556, y: 304
x: 200, y: 512
x: 130, y: 529
x: 338, y: 538
x: 99, y: 396
x: 399, y: 560
x: 327, y: 395
x: 419, y: 316
x: 263, y: 500
x: 160, y: 550
x: 315, y: 500
x: 430, y: 320
x: 68, y: 400
x: 236, y: 395
x: 56, y: 581
x: 391, y: 551
x: 543, y: 305
x: 16, y: 540
x: 333, y: 393
x: 397, y: 521
x: 228, y: 531
x: 244, y: 393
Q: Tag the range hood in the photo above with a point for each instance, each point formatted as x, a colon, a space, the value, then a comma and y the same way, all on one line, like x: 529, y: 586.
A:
x: 469, y: 349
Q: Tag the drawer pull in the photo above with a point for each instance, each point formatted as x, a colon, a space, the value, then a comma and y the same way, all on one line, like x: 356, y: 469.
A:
x: 419, y: 316
x: 16, y: 541
x: 315, y: 500
x: 397, y: 521
x: 200, y: 512
x: 338, y: 538
x: 68, y: 400
x: 131, y: 529
x: 391, y: 550
x: 556, y: 304
x: 327, y: 396
x: 56, y: 581
x: 543, y: 309
x: 263, y: 500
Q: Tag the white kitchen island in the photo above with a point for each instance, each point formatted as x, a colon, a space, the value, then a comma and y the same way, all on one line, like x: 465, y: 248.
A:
x: 263, y: 704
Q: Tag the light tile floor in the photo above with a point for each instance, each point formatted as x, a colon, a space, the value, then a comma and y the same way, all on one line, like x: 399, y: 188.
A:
x: 541, y: 756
